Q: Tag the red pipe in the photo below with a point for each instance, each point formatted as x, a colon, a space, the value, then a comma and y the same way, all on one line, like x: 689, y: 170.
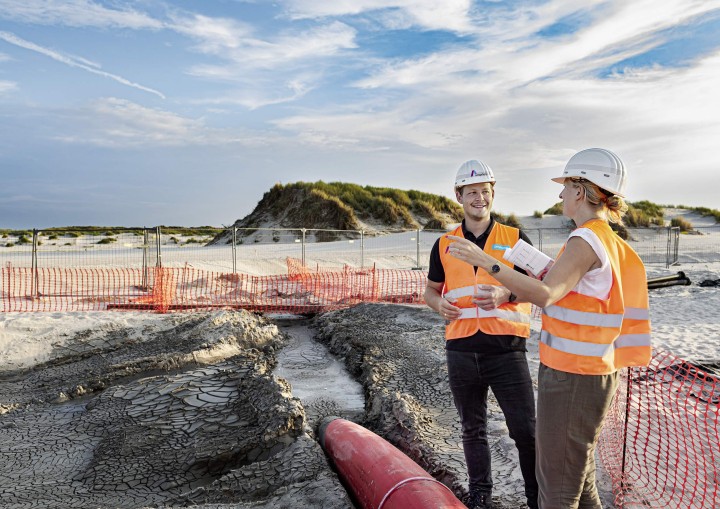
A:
x: 379, y: 475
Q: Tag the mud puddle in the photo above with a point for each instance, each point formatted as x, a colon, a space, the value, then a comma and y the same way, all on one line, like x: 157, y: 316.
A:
x: 318, y: 379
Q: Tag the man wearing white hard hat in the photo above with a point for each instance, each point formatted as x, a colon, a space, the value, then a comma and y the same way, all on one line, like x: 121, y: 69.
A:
x: 486, y: 329
x: 595, y: 322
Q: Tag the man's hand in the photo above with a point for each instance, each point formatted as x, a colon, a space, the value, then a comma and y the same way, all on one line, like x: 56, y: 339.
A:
x: 488, y: 297
x: 447, y: 310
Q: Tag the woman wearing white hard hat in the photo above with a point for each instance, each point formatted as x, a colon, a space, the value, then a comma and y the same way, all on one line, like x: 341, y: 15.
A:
x: 595, y: 322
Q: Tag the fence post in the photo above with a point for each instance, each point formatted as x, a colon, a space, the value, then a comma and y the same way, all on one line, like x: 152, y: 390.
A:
x: 362, y: 248
x: 417, y: 249
x: 146, y: 242
x: 157, y: 244
x: 540, y: 237
x: 303, y: 245
x: 625, y: 428
x: 35, y: 285
x: 673, y: 242
x: 234, y: 249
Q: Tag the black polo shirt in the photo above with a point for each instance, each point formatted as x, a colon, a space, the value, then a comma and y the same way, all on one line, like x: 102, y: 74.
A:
x: 478, y: 342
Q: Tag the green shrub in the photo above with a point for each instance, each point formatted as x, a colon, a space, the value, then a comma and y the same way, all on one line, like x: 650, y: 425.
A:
x: 620, y: 230
x: 707, y: 212
x: 435, y: 224
x: 643, y: 214
x: 10, y: 244
x: 555, y: 210
x: 24, y: 240
x: 537, y: 214
x: 52, y: 237
x: 107, y: 240
x: 509, y: 220
x: 683, y: 224
x: 636, y: 218
x: 649, y: 208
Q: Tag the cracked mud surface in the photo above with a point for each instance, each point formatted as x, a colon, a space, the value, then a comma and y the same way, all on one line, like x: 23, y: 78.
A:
x: 188, y: 416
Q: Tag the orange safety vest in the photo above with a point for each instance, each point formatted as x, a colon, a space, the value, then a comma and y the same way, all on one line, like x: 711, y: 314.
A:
x: 589, y: 336
x: 511, y: 318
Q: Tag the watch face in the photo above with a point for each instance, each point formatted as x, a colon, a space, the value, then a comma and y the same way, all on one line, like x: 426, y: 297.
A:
x: 495, y: 268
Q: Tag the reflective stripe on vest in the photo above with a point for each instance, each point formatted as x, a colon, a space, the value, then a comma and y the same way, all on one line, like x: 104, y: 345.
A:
x: 574, y: 347
x: 628, y: 340
x: 465, y: 291
x: 511, y: 319
x: 476, y: 312
x: 585, y: 335
x: 637, y: 313
x: 583, y: 317
x: 593, y: 349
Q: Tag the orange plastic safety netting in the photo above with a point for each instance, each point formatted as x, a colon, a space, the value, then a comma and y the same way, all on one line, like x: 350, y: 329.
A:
x: 660, y: 442
x: 163, y: 289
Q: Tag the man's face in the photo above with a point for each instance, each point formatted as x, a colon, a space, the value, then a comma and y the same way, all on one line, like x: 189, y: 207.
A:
x: 476, y: 200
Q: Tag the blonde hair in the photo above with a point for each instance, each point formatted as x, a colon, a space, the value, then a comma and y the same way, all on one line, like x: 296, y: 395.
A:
x: 613, y: 205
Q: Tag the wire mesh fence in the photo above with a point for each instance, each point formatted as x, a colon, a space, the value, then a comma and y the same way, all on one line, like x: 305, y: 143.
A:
x: 263, y: 251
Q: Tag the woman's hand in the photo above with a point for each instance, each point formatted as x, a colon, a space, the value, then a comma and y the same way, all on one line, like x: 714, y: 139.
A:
x: 469, y: 252
x: 489, y: 297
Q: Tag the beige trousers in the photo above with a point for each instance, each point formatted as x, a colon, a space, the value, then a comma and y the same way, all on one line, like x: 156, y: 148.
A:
x: 570, y: 412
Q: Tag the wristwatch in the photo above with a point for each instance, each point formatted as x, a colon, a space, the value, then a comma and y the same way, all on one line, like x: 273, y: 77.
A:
x: 495, y: 269
x: 512, y: 297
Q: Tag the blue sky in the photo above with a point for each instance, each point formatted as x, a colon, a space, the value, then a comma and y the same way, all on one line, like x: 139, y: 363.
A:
x: 144, y: 113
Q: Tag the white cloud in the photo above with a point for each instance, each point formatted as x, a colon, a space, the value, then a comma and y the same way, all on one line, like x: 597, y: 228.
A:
x: 273, y: 71
x: 113, y: 122
x: 77, y: 13
x: 215, y: 35
x: 508, y: 53
x: 428, y: 14
x: 73, y: 62
x: 244, y: 53
x: 118, y: 122
x: 7, y: 86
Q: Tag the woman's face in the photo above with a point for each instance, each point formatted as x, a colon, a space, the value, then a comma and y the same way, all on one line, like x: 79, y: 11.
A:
x: 571, y: 191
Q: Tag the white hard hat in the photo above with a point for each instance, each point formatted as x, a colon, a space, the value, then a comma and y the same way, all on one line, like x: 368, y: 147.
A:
x: 473, y: 172
x: 601, y: 167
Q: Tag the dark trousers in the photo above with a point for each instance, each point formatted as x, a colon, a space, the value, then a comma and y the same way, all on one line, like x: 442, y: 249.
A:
x: 508, y: 375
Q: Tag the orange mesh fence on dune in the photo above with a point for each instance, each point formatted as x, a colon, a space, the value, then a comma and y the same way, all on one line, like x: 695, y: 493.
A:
x: 660, y: 442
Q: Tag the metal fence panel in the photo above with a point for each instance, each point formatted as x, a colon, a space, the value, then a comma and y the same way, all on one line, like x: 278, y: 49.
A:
x: 264, y: 251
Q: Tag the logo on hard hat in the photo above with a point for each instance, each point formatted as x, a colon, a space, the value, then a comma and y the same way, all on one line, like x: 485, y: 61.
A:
x: 474, y: 173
